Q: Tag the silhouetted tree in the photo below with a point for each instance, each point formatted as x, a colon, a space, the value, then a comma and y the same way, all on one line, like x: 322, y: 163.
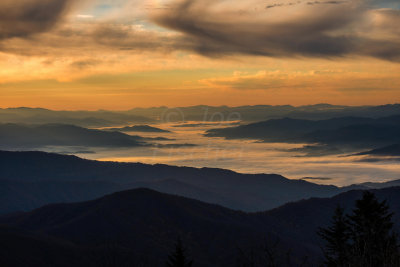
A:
x: 246, y: 259
x: 337, y: 237
x: 178, y: 257
x: 109, y: 254
x: 364, y: 238
x: 373, y: 241
x: 272, y: 253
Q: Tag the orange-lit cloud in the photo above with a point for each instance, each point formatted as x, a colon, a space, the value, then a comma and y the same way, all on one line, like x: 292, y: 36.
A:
x: 139, y: 52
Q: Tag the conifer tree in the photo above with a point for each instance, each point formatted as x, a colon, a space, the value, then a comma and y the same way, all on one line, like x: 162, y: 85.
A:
x: 337, y: 237
x: 178, y: 257
x: 373, y: 241
x: 363, y: 239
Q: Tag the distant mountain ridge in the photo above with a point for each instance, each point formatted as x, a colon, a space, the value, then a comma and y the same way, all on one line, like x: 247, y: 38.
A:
x: 392, y: 150
x: 32, y: 179
x: 264, y: 112
x: 100, y: 118
x: 355, y: 131
x: 58, y: 175
x: 139, y: 128
x: 35, y: 136
x: 103, y: 118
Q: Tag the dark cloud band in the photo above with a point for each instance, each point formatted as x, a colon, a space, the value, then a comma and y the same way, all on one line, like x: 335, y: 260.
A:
x: 23, y: 18
x: 323, y: 29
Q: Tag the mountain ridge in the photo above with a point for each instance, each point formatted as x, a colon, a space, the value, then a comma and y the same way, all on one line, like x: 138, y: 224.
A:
x: 147, y: 222
x: 339, y: 131
x: 235, y: 190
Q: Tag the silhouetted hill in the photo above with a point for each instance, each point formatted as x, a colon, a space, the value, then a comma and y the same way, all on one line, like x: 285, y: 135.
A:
x: 145, y: 223
x: 370, y: 185
x: 265, y: 112
x: 362, y: 135
x: 100, y: 118
x: 204, y: 124
x: 148, y: 223
x: 18, y: 195
x: 140, y: 128
x: 282, y: 129
x: 356, y: 131
x: 301, y: 219
x: 392, y: 150
x: 19, y: 248
x: 103, y: 118
x: 250, y: 192
x: 315, y: 112
x: 22, y: 136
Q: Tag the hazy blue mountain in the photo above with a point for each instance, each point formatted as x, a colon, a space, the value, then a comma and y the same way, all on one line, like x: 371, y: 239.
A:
x: 264, y: 112
x: 370, y: 185
x: 18, y: 195
x: 361, y: 135
x: 392, y: 150
x: 140, y: 128
x: 354, y: 131
x: 143, y: 223
x: 284, y: 129
x: 326, y: 111
x: 249, y: 192
x: 186, y: 125
x: 103, y: 118
x: 317, y: 150
x: 32, y: 179
x: 100, y: 118
x: 36, y: 136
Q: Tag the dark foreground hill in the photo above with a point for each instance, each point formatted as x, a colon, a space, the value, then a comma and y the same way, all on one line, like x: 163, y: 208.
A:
x: 141, y: 226
x: 146, y: 224
x: 301, y: 219
x: 31, y: 179
x: 20, y: 248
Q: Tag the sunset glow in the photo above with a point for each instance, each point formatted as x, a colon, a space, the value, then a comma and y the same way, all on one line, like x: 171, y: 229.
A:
x: 127, y: 53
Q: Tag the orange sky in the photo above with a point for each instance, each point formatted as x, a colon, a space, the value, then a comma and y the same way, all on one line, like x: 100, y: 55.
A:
x: 136, y: 53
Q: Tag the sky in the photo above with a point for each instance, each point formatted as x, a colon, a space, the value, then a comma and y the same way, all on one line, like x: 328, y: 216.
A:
x: 119, y: 54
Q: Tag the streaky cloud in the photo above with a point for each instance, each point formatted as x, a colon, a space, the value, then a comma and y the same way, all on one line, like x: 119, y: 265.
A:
x: 23, y: 18
x: 319, y: 29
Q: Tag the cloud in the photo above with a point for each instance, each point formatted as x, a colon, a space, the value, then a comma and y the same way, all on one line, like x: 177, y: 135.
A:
x: 58, y: 37
x: 260, y: 80
x: 23, y: 18
x: 214, y: 28
x: 345, y: 81
x: 308, y: 3
x: 84, y: 38
x: 83, y: 64
x: 325, y: 2
x: 132, y: 37
x: 320, y: 29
